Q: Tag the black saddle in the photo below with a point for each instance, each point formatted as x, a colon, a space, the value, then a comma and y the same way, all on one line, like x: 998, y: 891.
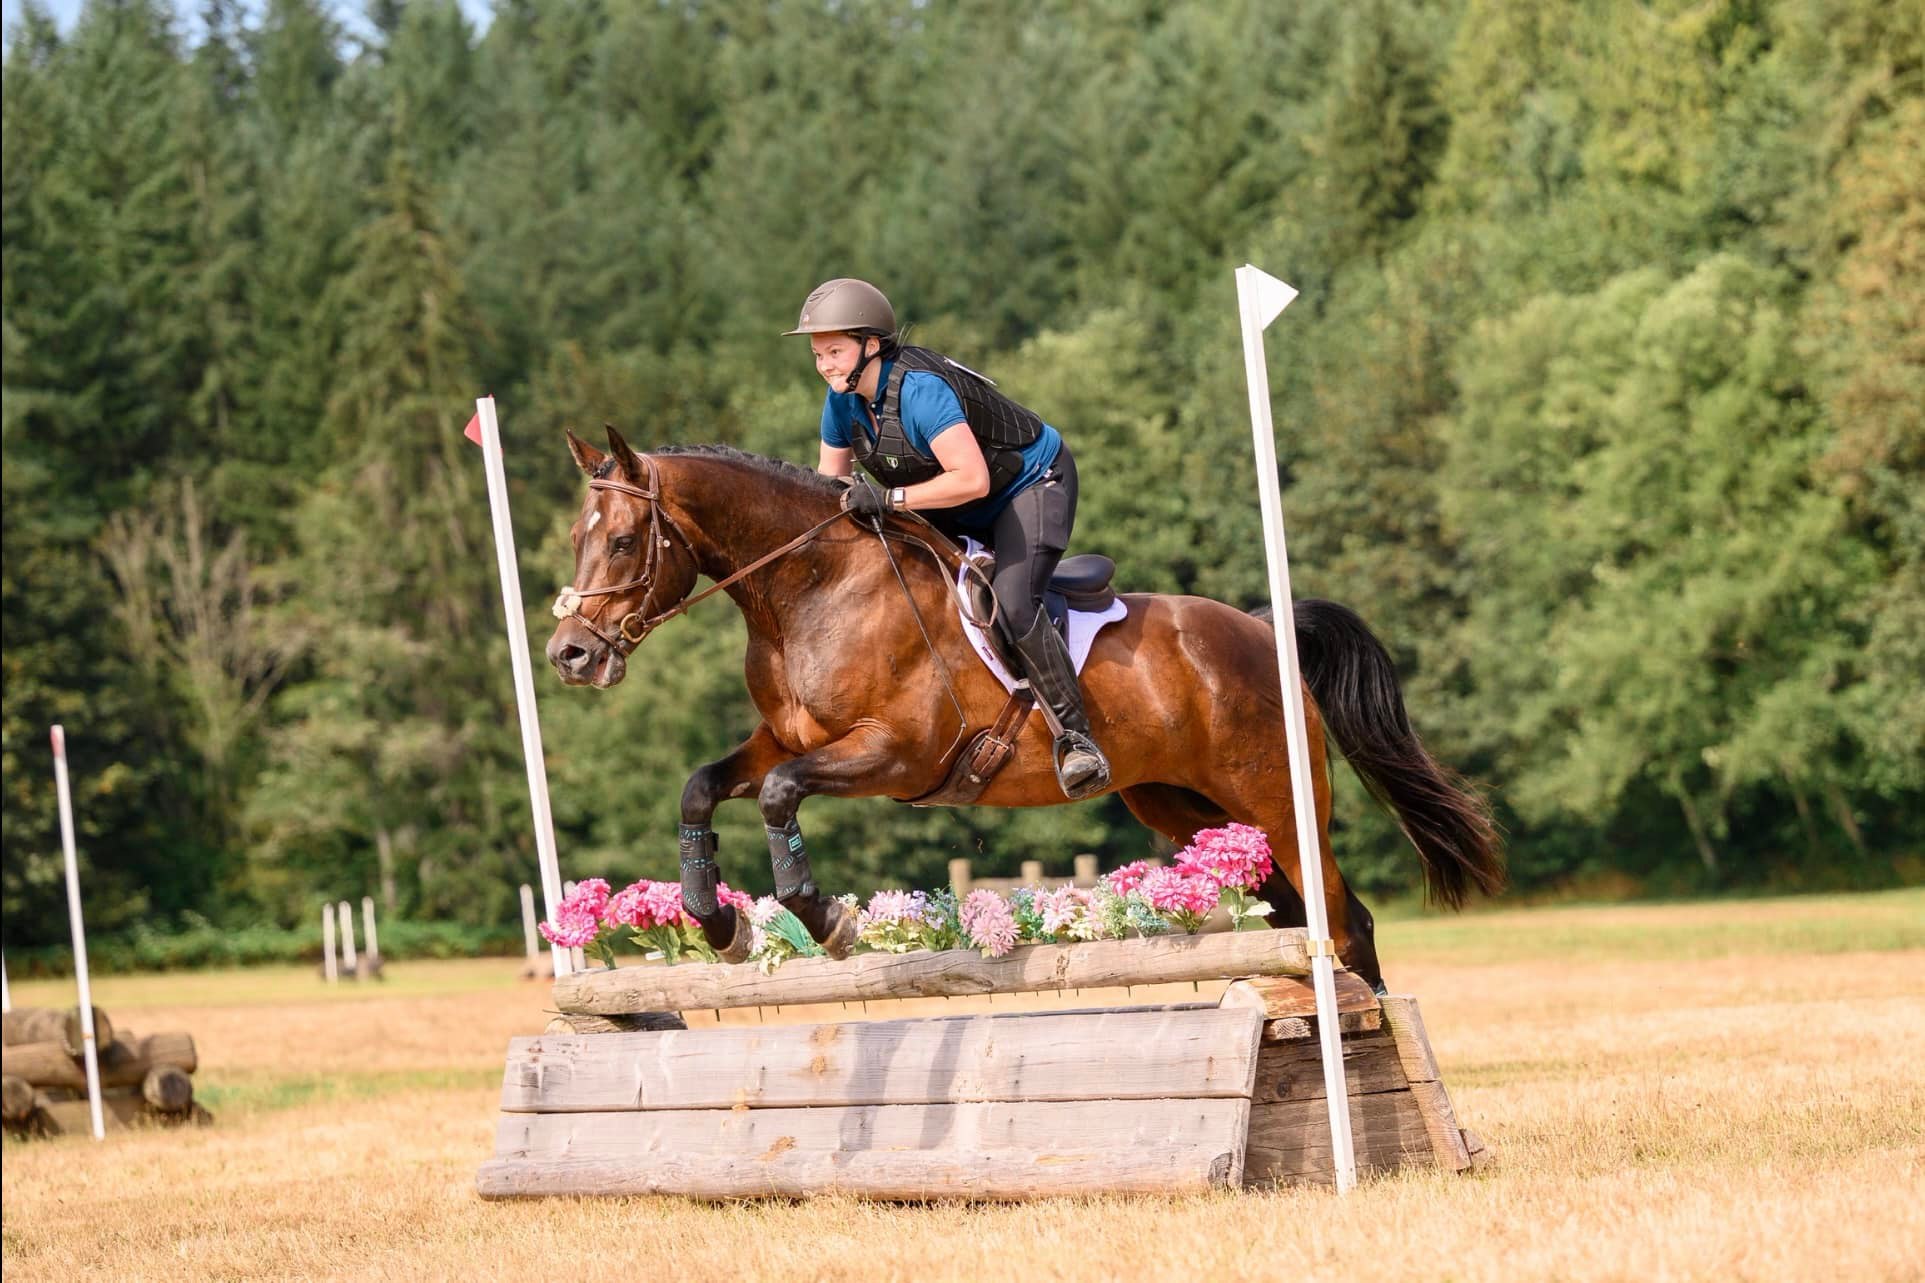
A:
x: 1081, y: 582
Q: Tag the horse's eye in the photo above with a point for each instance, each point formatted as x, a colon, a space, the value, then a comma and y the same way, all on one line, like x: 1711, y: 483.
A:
x: 623, y: 543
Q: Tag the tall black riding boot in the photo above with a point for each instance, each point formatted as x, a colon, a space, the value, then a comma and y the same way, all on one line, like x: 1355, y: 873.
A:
x: 1081, y: 768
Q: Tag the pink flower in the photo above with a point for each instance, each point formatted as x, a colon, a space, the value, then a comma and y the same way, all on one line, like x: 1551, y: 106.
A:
x: 1235, y: 856
x: 1128, y: 878
x: 893, y: 906
x: 627, y: 907
x: 578, y: 916
x: 1182, y: 895
x: 1060, y: 908
x: 740, y: 900
x: 662, y: 905
x: 989, y: 922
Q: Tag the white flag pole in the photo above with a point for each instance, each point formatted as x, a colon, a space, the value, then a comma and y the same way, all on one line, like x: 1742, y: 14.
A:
x: 1260, y: 298
x: 524, y: 674
x: 89, y: 1053
x: 6, y: 994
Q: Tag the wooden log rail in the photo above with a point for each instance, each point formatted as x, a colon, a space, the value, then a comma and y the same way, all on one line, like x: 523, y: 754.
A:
x: 870, y: 977
x: 123, y: 1062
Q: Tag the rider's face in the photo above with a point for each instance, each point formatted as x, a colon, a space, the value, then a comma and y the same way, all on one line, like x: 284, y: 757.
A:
x: 835, y: 356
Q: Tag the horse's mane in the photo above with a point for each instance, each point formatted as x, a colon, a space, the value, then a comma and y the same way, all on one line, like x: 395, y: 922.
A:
x: 808, y: 478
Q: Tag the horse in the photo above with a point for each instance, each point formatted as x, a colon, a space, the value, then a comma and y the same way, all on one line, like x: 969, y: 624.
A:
x: 866, y: 686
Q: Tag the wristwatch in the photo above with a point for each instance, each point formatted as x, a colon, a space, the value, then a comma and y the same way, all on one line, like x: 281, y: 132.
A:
x: 895, y: 499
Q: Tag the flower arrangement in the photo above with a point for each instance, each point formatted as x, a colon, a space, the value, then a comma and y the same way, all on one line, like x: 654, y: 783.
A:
x: 1220, y: 868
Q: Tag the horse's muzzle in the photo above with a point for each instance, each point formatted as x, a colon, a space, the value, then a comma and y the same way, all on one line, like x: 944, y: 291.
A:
x: 592, y: 664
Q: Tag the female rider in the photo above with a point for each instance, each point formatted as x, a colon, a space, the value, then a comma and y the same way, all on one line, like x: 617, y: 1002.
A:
x: 940, y: 439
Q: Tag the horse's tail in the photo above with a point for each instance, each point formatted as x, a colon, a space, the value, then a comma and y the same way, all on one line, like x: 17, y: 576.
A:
x: 1355, y: 685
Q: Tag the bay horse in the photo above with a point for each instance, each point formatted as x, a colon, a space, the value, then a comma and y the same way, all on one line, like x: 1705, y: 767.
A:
x: 861, y: 695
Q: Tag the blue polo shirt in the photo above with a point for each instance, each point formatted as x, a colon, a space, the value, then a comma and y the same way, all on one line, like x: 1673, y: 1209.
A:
x: 930, y: 408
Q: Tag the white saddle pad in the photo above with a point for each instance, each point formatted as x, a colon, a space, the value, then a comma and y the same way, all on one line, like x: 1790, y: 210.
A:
x: 1081, y: 630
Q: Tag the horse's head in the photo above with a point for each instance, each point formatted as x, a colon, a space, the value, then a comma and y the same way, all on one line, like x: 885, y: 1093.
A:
x: 633, y: 566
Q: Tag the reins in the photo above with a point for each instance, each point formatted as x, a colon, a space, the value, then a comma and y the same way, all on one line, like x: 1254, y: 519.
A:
x: 568, y: 602
x: 638, y: 624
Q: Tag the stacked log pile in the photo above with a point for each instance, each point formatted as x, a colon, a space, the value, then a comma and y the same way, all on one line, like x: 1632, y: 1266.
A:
x: 43, y: 1079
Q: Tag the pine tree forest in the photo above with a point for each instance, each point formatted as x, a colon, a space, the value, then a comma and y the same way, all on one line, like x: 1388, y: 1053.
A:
x: 1604, y: 404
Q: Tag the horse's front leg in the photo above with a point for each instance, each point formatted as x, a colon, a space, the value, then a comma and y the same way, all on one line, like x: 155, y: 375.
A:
x: 868, y: 761
x: 737, y: 775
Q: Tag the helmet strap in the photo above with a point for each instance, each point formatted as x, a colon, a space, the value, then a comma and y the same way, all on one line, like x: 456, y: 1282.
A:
x: 885, y: 347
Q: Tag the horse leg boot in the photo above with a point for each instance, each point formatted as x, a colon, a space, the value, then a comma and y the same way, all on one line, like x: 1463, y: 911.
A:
x: 1081, y: 769
x: 827, y: 920
x: 727, y: 931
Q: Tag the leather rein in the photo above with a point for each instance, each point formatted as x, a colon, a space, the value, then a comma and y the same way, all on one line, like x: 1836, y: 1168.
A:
x: 638, y: 624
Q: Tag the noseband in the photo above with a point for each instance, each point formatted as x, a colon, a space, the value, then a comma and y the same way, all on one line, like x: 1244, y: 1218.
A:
x: 637, y: 624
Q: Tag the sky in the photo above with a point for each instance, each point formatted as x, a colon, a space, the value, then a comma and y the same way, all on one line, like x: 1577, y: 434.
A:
x: 348, y: 12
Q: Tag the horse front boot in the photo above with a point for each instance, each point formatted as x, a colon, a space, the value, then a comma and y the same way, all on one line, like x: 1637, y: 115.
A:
x: 1081, y: 769
x: 829, y: 922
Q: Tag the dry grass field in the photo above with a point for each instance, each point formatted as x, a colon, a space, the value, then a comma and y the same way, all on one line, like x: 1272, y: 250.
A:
x: 1708, y: 1091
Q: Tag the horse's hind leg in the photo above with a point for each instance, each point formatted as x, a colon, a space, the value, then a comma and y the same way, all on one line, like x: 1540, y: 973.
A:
x: 864, y: 763
x: 737, y: 775
x: 1176, y: 813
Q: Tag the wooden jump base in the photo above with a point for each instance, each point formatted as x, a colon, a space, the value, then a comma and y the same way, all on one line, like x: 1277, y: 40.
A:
x: 1166, y: 1099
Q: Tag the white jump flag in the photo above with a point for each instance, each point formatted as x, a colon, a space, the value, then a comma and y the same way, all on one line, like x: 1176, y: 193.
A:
x: 1261, y: 298
x: 89, y: 1053
x: 490, y: 440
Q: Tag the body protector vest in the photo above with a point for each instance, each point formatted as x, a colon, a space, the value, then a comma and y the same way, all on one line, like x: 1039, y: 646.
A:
x: 1001, y: 427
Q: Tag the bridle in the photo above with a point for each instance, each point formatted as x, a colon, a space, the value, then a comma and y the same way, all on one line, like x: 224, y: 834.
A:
x: 631, y: 628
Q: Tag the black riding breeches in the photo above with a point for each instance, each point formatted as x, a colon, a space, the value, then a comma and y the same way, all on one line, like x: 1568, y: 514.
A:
x: 1029, y: 538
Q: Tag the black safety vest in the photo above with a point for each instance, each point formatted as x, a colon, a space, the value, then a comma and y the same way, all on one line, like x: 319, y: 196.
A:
x: 1001, y: 426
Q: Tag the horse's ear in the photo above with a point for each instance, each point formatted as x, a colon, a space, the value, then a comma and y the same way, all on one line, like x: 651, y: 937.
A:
x: 587, y: 457
x: 624, y: 457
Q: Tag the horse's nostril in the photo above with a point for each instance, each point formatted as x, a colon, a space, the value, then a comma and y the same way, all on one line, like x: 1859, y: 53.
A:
x: 571, y: 657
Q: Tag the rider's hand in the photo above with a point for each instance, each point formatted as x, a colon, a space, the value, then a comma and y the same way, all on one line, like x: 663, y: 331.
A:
x: 864, y: 498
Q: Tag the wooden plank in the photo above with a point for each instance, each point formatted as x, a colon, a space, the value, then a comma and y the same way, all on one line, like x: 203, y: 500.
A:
x: 1290, y: 1141
x: 876, y: 976
x: 1207, y: 1159
x: 1406, y: 1024
x: 1282, y: 997
x: 1294, y: 1070
x: 1118, y: 1055
x: 1015, y: 1128
x: 1440, y: 1120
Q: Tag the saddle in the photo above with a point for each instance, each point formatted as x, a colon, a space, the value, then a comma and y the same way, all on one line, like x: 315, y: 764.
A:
x: 1080, y: 583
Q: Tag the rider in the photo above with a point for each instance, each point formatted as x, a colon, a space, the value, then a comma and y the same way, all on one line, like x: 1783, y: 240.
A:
x: 941, y: 439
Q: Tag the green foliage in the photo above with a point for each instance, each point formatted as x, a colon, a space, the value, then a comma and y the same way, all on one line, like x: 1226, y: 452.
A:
x: 1602, y: 404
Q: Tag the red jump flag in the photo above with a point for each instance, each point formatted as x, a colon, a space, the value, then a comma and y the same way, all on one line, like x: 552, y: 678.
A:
x: 473, y: 430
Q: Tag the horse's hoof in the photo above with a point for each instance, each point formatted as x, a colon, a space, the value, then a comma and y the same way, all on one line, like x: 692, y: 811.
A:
x: 842, y: 936
x: 737, y: 949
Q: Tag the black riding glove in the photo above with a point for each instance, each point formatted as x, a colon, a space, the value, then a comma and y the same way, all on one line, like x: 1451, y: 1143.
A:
x: 864, y: 498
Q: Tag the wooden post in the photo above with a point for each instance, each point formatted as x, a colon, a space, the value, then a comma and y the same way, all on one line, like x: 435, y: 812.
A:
x: 1032, y: 873
x: 348, y: 964
x: 528, y: 935
x: 1087, y: 871
x: 574, y: 955
x: 327, y: 943
x: 959, y: 877
x: 367, y: 926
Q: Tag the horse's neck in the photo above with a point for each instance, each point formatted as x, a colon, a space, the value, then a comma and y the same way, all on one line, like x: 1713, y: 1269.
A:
x: 732, y: 517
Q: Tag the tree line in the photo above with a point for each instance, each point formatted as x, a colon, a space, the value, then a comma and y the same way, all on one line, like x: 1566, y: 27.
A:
x: 1604, y: 403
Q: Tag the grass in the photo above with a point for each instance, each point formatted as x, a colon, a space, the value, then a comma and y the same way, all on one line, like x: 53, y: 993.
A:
x: 1693, y: 1091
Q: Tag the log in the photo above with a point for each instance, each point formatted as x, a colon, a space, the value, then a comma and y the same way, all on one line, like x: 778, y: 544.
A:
x: 981, y: 1151
x: 168, y: 1089
x: 1113, y: 1056
x: 122, y: 1063
x: 118, y: 1110
x: 1100, y: 964
x: 53, y: 1024
x: 640, y: 1022
x: 16, y: 1099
